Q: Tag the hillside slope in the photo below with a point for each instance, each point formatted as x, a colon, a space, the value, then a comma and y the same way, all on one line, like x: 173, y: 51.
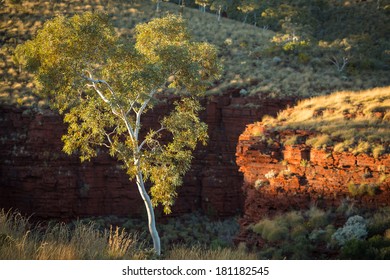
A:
x: 252, y: 64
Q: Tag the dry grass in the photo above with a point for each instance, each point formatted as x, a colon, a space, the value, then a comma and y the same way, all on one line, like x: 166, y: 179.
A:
x: 358, y: 122
x: 244, y: 51
x: 201, y: 253
x: 20, y: 240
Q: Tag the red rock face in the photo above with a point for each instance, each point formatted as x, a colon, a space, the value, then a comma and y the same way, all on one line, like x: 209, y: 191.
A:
x: 279, y: 179
x: 37, y: 177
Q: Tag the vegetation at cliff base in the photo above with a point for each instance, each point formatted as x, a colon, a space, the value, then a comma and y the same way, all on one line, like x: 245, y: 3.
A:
x: 345, y: 232
x: 22, y: 239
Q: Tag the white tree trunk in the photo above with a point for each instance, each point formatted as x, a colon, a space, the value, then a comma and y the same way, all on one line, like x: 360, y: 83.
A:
x: 150, y: 212
x: 158, y: 6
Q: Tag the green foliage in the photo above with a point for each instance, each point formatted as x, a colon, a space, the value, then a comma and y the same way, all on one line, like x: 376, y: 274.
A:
x: 362, y: 189
x: 166, y: 166
x: 271, y: 230
x: 375, y: 248
x: 248, y: 6
x: 197, y: 229
x: 104, y: 84
x: 219, y: 5
x: 309, y: 234
x: 317, y: 218
x: 67, y: 55
x: 62, y: 51
x: 295, y: 234
x: 379, y: 222
x: 354, y: 228
x: 203, y: 3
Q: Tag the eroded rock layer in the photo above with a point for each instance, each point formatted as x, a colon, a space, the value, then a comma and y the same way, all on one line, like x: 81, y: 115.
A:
x: 37, y: 177
x: 279, y: 178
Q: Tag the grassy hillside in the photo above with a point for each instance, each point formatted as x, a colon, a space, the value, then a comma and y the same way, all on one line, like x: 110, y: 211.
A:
x: 255, y: 62
x: 358, y: 122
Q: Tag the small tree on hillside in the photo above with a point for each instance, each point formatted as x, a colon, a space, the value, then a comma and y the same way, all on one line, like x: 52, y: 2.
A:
x: 219, y: 6
x: 103, y: 86
x: 158, y: 4
x: 203, y: 4
x: 247, y: 7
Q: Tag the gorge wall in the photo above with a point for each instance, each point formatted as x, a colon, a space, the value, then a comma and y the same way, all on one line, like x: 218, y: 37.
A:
x: 281, y: 178
x: 38, y: 178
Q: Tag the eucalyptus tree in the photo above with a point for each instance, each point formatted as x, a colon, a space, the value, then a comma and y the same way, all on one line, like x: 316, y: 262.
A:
x: 247, y: 7
x: 203, y: 4
x: 103, y: 85
x: 218, y: 5
x: 158, y: 2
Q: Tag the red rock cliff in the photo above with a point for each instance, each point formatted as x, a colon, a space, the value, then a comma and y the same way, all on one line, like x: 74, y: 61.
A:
x: 279, y: 179
x: 37, y: 177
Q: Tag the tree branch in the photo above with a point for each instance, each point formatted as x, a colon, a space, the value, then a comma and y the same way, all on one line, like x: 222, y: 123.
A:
x: 108, y: 135
x: 132, y: 106
x: 146, y: 140
x: 123, y: 115
x: 94, y: 82
x: 140, y: 111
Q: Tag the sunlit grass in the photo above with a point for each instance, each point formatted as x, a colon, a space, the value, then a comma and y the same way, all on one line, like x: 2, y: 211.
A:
x: 19, y: 239
x: 358, y: 122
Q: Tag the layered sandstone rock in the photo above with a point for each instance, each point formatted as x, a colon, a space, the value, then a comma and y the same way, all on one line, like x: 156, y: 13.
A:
x: 37, y: 177
x: 280, y: 178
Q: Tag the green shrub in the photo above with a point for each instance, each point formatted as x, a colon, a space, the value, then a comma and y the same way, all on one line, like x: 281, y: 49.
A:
x: 363, y: 189
x: 379, y: 222
x: 303, y: 58
x: 317, y: 218
x: 271, y: 230
x: 375, y: 248
x: 293, y: 219
x: 354, y: 228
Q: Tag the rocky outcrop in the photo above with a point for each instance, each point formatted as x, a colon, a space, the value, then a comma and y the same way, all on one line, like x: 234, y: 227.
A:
x: 280, y: 178
x: 37, y: 177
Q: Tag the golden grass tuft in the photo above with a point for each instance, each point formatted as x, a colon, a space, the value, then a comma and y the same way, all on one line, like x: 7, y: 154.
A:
x: 20, y: 240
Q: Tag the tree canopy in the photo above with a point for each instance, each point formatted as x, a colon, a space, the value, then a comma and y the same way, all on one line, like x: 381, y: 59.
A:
x: 103, y: 85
